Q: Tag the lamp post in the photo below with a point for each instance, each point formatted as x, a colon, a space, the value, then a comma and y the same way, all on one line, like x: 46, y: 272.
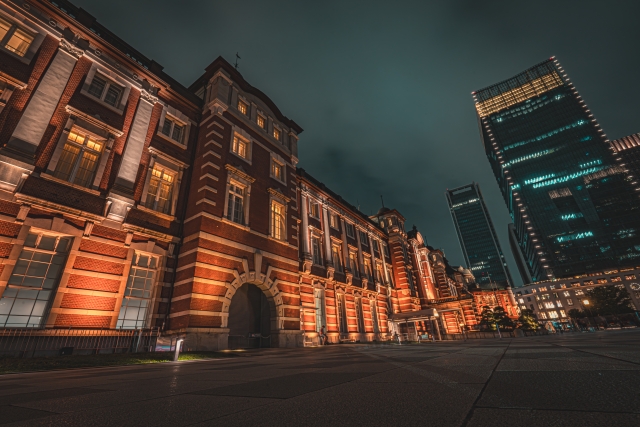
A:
x: 177, y: 352
x: 585, y: 303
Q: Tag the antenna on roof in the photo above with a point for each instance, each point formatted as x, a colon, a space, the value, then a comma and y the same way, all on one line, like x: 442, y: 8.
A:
x: 236, y: 64
x: 358, y: 204
x: 382, y: 200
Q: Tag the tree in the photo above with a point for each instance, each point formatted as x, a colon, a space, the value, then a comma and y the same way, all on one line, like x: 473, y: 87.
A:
x: 502, y: 319
x: 488, y: 320
x: 609, y: 300
x: 527, y: 320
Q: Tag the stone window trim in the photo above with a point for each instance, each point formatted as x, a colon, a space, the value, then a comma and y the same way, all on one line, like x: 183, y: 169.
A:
x: 275, y: 196
x: 244, y: 137
x: 246, y: 102
x: 350, y: 229
x: 7, y: 85
x: 18, y: 22
x: 135, y: 259
x: 111, y: 78
x: 91, y: 126
x: 316, y: 233
x: 334, y: 220
x: 176, y: 167
x: 277, y: 159
x: 178, y: 117
x: 239, y: 178
x: 317, y: 203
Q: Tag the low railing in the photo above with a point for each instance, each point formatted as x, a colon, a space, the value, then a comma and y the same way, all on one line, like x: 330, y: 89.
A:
x: 493, y: 334
x: 52, y: 342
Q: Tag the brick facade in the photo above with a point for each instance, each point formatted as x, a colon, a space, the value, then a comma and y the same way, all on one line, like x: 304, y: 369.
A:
x: 152, y: 218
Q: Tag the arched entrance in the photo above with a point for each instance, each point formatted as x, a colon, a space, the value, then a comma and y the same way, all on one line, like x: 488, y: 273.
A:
x: 249, y: 318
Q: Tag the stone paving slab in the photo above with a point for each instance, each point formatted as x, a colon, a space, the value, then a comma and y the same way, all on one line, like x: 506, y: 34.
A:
x: 564, y: 380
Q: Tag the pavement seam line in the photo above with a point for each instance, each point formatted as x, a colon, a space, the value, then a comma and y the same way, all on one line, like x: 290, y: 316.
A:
x: 469, y: 415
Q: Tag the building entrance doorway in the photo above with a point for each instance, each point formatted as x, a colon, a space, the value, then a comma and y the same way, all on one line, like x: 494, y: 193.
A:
x: 249, y: 318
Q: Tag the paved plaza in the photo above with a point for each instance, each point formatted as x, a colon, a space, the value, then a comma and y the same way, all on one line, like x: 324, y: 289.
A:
x: 588, y: 379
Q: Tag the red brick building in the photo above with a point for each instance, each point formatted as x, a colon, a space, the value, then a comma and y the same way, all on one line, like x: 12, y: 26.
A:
x: 129, y: 201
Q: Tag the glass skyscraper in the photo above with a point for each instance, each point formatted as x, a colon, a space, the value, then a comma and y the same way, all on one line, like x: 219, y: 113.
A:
x: 477, y: 236
x: 574, y: 205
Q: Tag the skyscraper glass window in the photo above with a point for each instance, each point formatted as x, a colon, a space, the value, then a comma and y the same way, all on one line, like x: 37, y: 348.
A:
x: 478, y: 240
x: 573, y: 204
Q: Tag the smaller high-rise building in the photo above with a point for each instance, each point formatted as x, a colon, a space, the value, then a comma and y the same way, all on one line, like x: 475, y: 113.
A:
x: 478, y: 240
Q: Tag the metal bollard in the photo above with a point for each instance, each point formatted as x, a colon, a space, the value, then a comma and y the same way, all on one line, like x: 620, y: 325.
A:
x: 177, y: 352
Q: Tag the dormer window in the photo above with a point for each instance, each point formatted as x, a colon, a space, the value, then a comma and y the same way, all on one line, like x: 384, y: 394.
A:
x: 173, y: 129
x: 105, y: 90
x: 276, y: 133
x: 14, y: 39
x: 243, y: 107
x: 262, y: 122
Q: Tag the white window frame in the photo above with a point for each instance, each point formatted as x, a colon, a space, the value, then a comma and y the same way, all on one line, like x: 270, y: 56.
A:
x: 246, y: 104
x: 174, y: 121
x: 279, y: 131
x: 174, y: 167
x: 333, y: 220
x: 317, y: 256
x: 273, y: 201
x: 353, y: 263
x: 321, y: 312
x: 74, y: 169
x: 349, y: 226
x: 264, y: 119
x: 112, y: 78
x: 278, y: 160
x: 153, y: 287
x: 311, y: 214
x: 336, y: 256
x: 34, y: 31
x: 243, y: 136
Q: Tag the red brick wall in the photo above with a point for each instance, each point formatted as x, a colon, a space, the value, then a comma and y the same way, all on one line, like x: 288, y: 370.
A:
x: 103, y: 248
x: 9, y: 229
x: 87, y: 302
x: 5, y: 249
x: 80, y: 320
x: 93, y: 283
x: 109, y: 233
x: 91, y: 264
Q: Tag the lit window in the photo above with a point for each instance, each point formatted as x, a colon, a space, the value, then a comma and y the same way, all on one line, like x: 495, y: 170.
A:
x: 173, y: 129
x: 32, y: 284
x: 235, y: 206
x: 549, y: 305
x: 553, y: 314
x: 569, y: 301
x: 543, y: 315
x: 277, y: 221
x: 579, y: 292
x: 317, y: 251
x: 566, y: 293
x: 374, y: 317
x: 333, y: 221
x: 350, y: 229
x: 79, y: 159
x: 367, y: 269
x: 243, y: 107
x: 276, y: 133
x: 314, y: 210
x: 160, y: 190
x: 562, y: 313
x: 14, y: 38
x: 261, y: 121
x: 239, y: 147
x: 105, y: 90
x: 559, y: 303
x: 342, y: 313
x: 521, y: 300
x: 137, y: 295
x: 359, y: 315
x: 353, y: 264
x: 277, y: 170
x: 336, y: 254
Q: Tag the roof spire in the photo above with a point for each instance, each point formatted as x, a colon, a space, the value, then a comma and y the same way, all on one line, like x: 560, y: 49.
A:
x: 382, y: 200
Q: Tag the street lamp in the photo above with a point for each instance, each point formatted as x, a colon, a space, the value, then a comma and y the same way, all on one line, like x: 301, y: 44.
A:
x: 585, y: 303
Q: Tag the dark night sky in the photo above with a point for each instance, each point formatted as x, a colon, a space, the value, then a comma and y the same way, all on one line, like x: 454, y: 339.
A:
x: 383, y: 89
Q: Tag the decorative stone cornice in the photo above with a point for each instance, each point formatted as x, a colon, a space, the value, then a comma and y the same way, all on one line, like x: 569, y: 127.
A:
x: 148, y: 96
x: 239, y: 172
x: 96, y: 121
x: 275, y: 192
x: 71, y: 49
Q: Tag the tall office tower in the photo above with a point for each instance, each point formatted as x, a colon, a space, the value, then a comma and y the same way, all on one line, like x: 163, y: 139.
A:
x: 478, y: 240
x: 573, y: 205
x: 627, y: 151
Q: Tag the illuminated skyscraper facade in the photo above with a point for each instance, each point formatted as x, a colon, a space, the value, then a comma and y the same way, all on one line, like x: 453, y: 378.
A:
x: 478, y: 240
x: 573, y: 204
